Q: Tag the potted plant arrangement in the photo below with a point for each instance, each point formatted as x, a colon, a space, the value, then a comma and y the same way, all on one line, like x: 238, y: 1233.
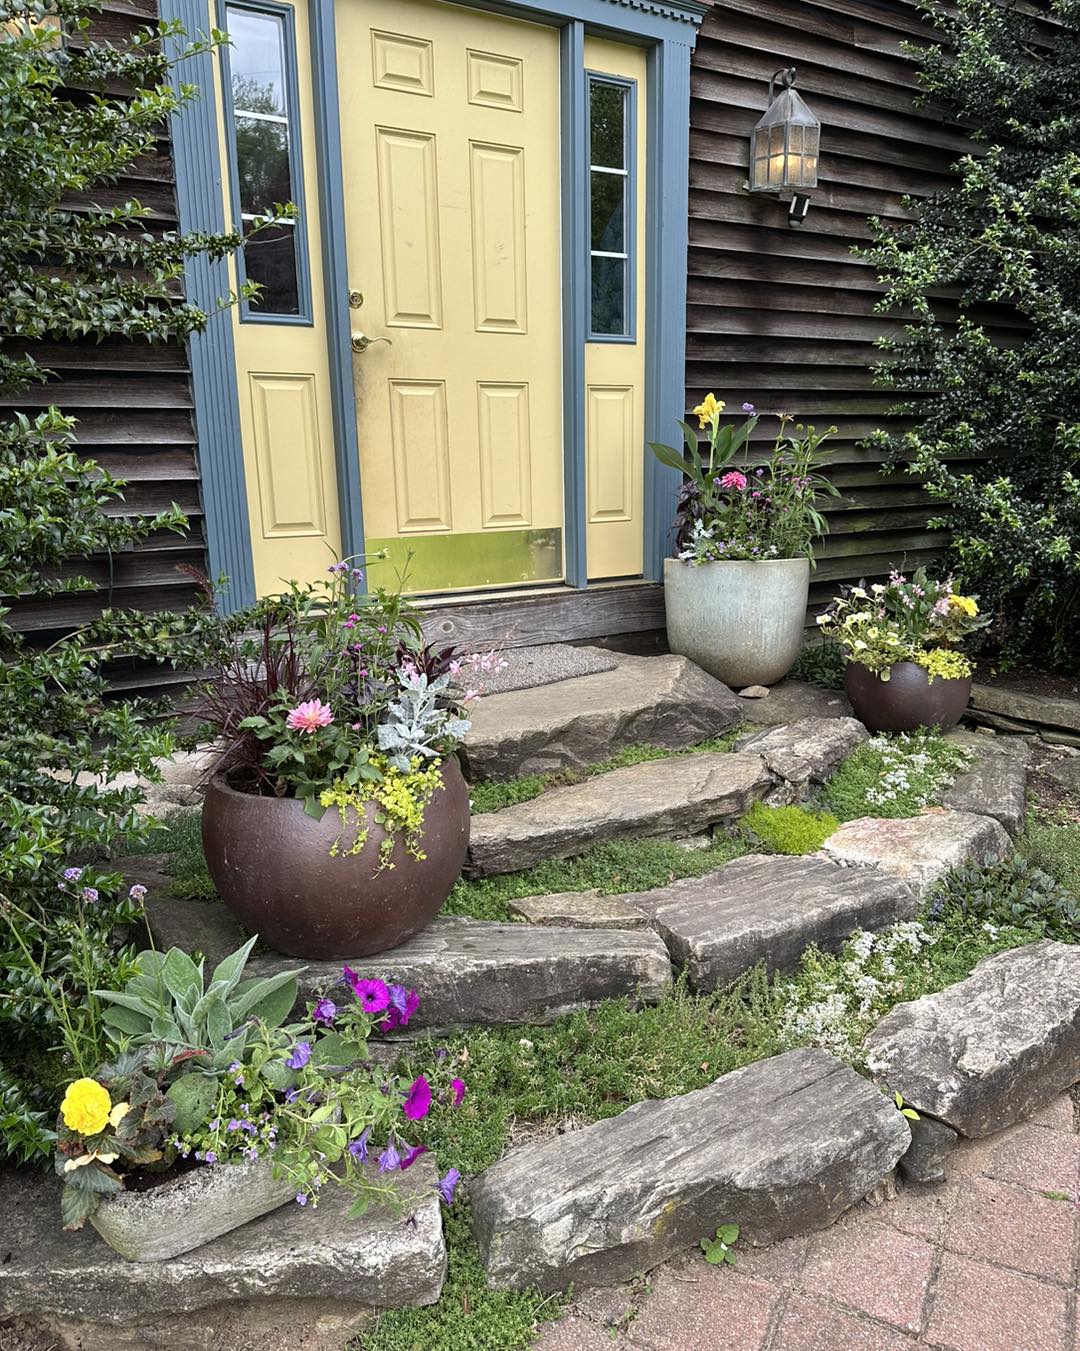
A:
x: 736, y: 590
x: 216, y: 1109
x: 338, y: 819
x: 901, y: 639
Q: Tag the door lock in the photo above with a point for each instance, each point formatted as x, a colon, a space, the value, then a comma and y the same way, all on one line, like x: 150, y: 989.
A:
x: 361, y: 342
x: 356, y: 299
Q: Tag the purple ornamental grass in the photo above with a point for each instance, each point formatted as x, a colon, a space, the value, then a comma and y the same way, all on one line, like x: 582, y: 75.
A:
x: 418, y: 1099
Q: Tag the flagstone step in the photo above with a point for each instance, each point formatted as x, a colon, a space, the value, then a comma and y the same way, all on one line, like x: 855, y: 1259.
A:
x: 919, y: 850
x: 809, y: 750
x: 779, y: 1147
x: 662, y: 701
x: 309, y: 1271
x: 678, y: 796
x: 472, y: 971
x: 771, y: 909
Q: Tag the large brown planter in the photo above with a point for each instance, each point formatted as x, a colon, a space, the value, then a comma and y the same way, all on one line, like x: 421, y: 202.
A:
x: 907, y: 700
x: 272, y: 866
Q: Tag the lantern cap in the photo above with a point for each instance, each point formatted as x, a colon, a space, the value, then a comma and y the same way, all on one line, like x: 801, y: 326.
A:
x: 788, y: 106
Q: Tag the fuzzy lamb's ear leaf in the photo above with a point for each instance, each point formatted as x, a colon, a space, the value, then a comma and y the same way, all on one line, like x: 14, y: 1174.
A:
x: 258, y: 994
x: 217, y: 1021
x: 179, y: 973
x: 128, y: 1001
x: 125, y: 1021
x: 231, y: 968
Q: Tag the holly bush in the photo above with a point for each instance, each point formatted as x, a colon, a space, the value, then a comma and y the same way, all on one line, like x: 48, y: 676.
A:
x: 75, y: 115
x: 989, y: 275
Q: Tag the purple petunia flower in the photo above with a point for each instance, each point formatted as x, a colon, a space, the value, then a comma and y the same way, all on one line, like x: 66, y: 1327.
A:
x: 447, y: 1185
x: 403, y: 1004
x: 300, y: 1056
x: 372, y: 994
x: 292, y: 1095
x: 389, y: 1159
x: 418, y: 1099
x: 325, y: 1011
x: 457, y: 1087
x: 358, y: 1148
x: 411, y: 1157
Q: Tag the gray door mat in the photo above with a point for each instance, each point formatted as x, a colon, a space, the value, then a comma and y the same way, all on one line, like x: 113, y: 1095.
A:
x: 528, y: 667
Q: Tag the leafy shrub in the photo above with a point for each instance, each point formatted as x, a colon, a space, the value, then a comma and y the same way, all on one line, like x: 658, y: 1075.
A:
x: 1055, y: 848
x: 789, y: 830
x: 894, y: 776
x: 821, y: 664
x: 1015, y: 892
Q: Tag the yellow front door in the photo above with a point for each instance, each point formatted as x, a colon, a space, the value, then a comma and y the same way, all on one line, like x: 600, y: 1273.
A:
x: 451, y: 153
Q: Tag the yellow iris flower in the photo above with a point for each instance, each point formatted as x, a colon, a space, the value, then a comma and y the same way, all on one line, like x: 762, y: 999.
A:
x: 710, y: 407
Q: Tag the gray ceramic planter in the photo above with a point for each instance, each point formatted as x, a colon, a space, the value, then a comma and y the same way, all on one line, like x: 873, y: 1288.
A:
x: 154, y: 1225
x: 742, y: 622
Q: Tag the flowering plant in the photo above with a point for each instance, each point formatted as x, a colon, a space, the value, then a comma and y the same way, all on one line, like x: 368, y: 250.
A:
x: 238, y: 1085
x: 759, y: 511
x: 338, y: 700
x: 915, y: 619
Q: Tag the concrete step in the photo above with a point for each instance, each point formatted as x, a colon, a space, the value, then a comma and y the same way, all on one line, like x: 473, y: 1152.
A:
x: 769, y: 908
x: 296, y: 1271
x: 682, y: 795
x: 661, y: 701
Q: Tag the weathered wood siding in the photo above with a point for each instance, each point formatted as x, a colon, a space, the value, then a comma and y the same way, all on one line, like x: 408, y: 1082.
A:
x: 134, y: 410
x: 783, y: 316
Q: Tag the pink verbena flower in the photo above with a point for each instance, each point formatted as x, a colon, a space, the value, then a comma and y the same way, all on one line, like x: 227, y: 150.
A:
x: 733, y: 479
x: 309, y: 716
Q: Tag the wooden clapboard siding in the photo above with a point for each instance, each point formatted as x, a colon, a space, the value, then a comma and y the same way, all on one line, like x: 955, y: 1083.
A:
x: 133, y: 405
x: 784, y: 317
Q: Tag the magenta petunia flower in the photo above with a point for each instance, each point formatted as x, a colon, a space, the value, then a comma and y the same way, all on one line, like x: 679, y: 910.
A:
x: 733, y: 479
x: 447, y: 1185
x: 371, y: 992
x: 418, y: 1099
x: 411, y: 1157
x: 309, y: 716
x: 457, y: 1088
x: 403, y: 1004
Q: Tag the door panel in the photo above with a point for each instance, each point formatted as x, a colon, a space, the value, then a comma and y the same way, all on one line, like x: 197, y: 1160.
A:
x: 451, y: 153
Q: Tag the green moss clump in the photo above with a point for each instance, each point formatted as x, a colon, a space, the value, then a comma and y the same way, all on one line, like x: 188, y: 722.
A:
x: 789, y: 830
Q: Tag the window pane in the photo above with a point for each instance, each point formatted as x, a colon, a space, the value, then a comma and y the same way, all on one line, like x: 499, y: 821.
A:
x: 270, y: 259
x: 608, y: 295
x: 607, y: 119
x: 608, y: 197
x: 262, y: 163
x: 257, y: 61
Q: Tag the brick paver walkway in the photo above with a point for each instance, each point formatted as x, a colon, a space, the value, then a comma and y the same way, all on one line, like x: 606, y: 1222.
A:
x: 987, y: 1261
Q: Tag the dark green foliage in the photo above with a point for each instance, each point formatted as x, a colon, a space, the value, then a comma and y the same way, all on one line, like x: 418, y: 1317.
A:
x: 1053, y: 846
x: 89, y: 274
x: 1012, y: 892
x: 821, y: 664
x: 788, y: 830
x: 998, y: 430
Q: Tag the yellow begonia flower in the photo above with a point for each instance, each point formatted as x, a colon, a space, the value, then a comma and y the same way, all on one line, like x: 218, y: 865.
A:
x: 86, y: 1107
x: 709, y: 408
x: 84, y: 1159
x: 965, y: 603
x: 118, y: 1113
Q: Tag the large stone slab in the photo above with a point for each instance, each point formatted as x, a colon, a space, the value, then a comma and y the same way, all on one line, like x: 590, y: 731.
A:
x: 992, y: 1049
x: 995, y: 786
x: 663, y: 701
x: 1040, y: 709
x: 918, y: 849
x: 770, y: 909
x: 469, y: 971
x: 581, y: 910
x: 390, y: 1258
x: 779, y: 1147
x: 196, y: 926
x: 807, y: 751
x: 681, y: 795
x: 796, y: 699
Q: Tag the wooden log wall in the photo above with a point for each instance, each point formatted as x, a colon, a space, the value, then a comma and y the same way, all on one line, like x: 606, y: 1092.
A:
x: 134, y: 409
x: 783, y: 316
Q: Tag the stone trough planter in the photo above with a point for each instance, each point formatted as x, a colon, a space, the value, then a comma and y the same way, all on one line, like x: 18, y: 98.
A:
x: 190, y: 1210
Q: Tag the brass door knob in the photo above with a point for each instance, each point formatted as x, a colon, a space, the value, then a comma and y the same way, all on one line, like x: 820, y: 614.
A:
x: 361, y: 342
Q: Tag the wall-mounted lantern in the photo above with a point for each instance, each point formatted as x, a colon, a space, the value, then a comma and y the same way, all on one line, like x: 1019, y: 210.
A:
x: 784, y: 146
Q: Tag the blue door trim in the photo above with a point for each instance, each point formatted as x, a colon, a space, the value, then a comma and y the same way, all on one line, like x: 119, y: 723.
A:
x: 336, y: 273
x: 200, y: 199
x: 668, y: 28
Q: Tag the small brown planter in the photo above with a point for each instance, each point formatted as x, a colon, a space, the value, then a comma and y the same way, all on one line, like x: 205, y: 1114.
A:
x: 272, y: 866
x: 907, y: 700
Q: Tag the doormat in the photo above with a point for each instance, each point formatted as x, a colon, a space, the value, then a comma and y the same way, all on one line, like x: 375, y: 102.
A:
x: 528, y: 667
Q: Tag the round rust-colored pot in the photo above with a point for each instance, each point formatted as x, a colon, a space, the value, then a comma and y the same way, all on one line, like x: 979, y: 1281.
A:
x: 272, y: 866
x: 907, y: 700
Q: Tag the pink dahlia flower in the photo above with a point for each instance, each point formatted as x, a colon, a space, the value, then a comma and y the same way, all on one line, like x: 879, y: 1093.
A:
x: 309, y: 716
x: 733, y: 479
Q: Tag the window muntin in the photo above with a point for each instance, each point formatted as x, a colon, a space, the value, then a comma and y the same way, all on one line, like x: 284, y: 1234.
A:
x: 266, y: 159
x: 611, y: 208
